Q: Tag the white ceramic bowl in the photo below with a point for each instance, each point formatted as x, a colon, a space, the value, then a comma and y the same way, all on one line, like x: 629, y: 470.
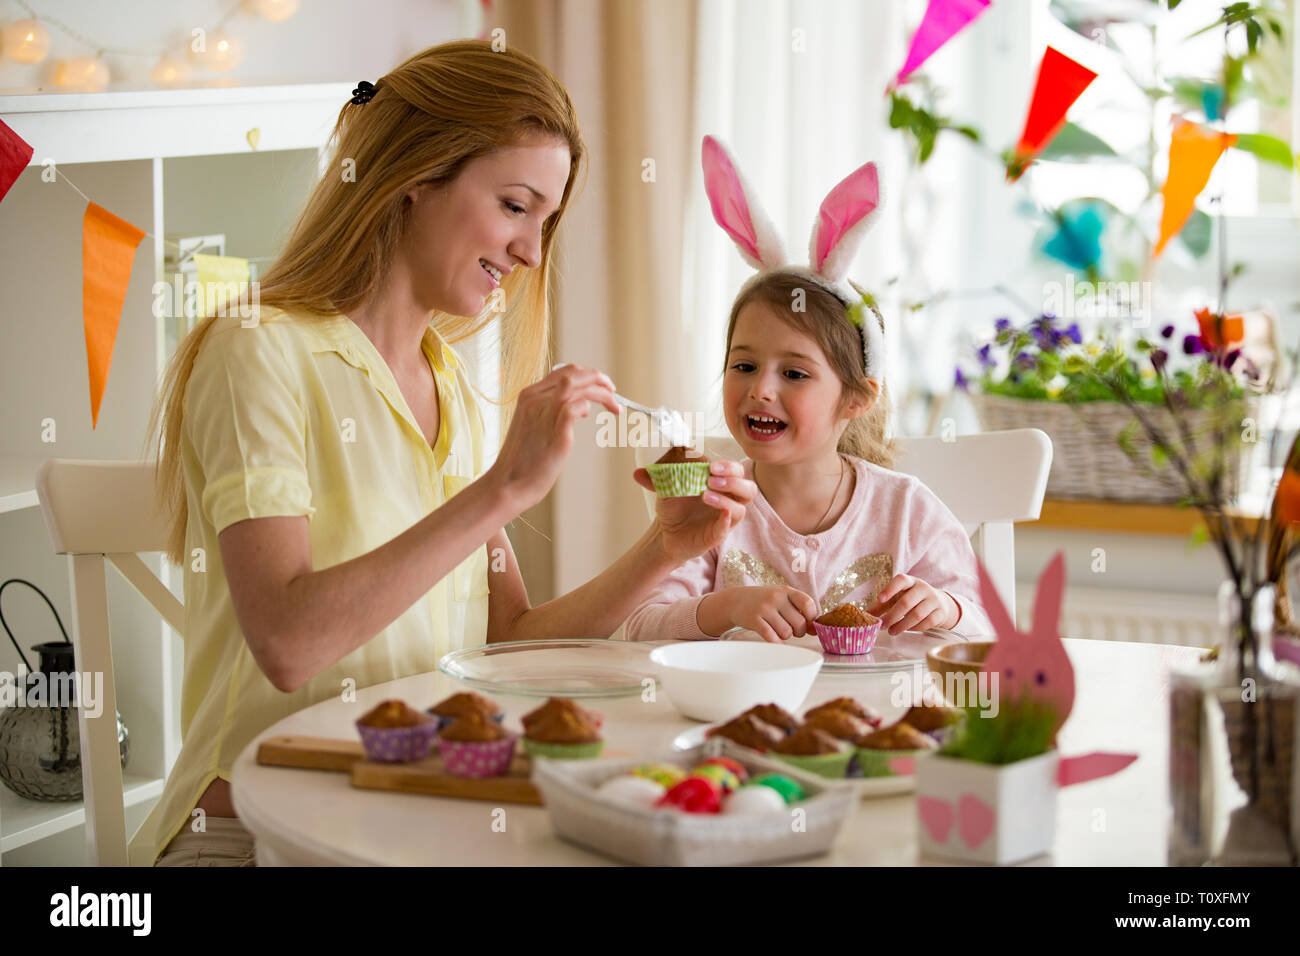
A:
x: 716, y: 680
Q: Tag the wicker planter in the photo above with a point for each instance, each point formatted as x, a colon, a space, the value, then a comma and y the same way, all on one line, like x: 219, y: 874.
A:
x: 1087, y: 461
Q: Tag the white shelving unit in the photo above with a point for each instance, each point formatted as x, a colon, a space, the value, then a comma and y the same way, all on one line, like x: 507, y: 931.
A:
x: 174, y: 161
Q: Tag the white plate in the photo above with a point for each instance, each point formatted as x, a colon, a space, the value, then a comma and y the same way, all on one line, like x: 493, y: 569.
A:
x: 867, y: 787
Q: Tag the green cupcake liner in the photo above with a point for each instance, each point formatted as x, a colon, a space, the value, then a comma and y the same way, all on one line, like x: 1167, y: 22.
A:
x: 835, y: 766
x: 680, y: 479
x: 875, y: 763
x: 536, y: 748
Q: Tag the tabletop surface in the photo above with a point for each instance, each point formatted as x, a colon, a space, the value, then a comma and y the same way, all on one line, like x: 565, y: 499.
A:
x: 317, y: 817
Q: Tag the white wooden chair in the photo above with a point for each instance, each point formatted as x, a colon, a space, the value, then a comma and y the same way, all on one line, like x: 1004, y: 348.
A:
x: 97, y: 510
x: 989, y: 480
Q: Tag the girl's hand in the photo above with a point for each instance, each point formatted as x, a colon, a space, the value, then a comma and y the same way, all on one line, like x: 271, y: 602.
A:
x: 541, y: 431
x: 909, y: 604
x: 774, y: 613
x: 691, y: 526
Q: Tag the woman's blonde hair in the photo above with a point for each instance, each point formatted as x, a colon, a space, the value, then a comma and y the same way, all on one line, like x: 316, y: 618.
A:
x: 825, y: 320
x: 428, y: 118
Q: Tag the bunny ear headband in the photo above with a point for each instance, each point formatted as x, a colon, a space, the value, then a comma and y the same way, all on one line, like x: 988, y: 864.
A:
x: 846, y: 214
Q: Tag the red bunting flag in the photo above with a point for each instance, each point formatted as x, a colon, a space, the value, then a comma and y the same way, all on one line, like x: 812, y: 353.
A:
x: 15, y: 154
x: 1193, y: 152
x: 943, y: 20
x: 108, y: 247
x: 1060, y: 82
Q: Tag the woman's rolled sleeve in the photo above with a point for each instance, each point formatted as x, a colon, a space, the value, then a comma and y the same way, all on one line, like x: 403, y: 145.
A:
x: 245, y: 422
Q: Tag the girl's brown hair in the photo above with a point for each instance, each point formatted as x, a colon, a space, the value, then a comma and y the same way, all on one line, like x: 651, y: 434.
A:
x: 428, y: 118
x: 825, y: 320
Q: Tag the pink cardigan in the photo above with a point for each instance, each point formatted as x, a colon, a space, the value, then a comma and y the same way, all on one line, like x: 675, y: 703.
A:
x: 893, y: 524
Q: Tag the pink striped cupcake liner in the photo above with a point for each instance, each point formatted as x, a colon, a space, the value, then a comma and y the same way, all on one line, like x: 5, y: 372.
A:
x: 477, y: 758
x: 847, y: 640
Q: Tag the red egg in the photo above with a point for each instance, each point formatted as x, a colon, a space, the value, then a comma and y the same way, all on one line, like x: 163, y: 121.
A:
x: 694, y: 795
x: 735, y: 766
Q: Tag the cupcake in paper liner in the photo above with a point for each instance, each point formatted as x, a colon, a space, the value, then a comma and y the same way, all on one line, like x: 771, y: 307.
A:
x: 476, y: 746
x: 395, y: 733
x: 561, y: 730
x: 815, y: 751
x: 680, y: 473
x: 892, y: 752
x: 935, y: 720
x: 458, y: 705
x: 847, y: 630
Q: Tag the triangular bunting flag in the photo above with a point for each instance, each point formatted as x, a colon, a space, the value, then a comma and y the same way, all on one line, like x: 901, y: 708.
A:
x: 15, y: 154
x: 108, y: 247
x: 1060, y: 82
x: 943, y: 20
x: 1193, y: 152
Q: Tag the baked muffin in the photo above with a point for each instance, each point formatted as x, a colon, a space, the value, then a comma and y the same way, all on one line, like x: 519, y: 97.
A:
x: 458, y: 705
x: 475, y: 745
x: 748, y: 731
x: 562, y: 730
x: 815, y: 751
x: 840, y: 724
x: 395, y: 733
x: 931, y: 718
x: 679, y: 473
x: 554, y: 706
x: 777, y: 716
x: 891, y: 752
x: 847, y: 630
x: 849, y: 706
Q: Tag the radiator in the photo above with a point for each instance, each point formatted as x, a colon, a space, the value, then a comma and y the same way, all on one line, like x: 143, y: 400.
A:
x: 1150, y: 617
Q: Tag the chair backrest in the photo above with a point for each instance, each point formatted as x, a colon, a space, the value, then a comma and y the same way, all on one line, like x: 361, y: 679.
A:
x: 97, y: 510
x: 989, y: 480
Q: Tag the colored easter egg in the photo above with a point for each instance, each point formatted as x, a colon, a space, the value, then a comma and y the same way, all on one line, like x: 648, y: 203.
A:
x: 789, y: 789
x: 735, y: 766
x: 694, y: 795
x: 664, y: 774
x: 751, y: 801
x: 637, y: 791
x: 724, y: 778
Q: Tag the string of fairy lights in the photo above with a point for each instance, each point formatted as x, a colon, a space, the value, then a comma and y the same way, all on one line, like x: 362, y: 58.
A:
x: 210, y: 49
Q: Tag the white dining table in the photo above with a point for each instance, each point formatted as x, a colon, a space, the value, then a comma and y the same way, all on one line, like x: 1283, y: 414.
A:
x: 312, y: 817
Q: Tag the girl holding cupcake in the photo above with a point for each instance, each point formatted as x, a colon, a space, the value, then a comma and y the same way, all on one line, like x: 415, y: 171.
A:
x: 325, y: 464
x: 804, y: 396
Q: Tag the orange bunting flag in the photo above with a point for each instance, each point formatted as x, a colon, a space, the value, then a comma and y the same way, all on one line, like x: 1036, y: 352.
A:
x: 1193, y: 152
x: 1060, y: 82
x: 108, y: 247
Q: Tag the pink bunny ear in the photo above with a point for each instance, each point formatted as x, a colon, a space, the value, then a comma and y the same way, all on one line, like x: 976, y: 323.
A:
x: 1003, y: 624
x: 1047, y: 599
x: 736, y: 209
x: 845, y: 216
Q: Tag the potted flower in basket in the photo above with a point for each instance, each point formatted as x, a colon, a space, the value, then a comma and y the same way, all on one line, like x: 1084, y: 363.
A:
x: 989, y: 795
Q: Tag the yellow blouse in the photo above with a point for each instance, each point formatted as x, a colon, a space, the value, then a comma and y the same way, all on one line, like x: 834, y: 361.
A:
x: 301, y: 416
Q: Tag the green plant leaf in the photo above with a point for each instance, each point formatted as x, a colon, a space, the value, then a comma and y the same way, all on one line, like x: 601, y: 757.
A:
x: 1266, y: 147
x: 1074, y: 142
x: 1196, y: 234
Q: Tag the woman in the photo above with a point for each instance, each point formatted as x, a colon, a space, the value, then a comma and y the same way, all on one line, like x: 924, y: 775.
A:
x: 325, y: 464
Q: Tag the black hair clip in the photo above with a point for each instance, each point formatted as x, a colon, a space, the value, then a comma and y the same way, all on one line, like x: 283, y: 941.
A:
x: 364, y: 93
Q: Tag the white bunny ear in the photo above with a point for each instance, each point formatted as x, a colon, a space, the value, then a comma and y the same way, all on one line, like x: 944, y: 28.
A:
x: 737, y: 210
x: 846, y: 214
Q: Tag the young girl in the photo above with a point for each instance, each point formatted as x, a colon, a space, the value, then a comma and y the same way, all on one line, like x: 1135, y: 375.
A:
x: 803, y: 394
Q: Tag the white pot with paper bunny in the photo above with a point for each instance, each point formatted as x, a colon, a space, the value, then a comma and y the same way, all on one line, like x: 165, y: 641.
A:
x: 990, y: 795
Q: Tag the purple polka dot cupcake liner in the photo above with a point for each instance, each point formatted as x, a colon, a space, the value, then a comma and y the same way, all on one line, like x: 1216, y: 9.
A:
x: 477, y: 758
x: 398, y: 744
x: 847, y: 640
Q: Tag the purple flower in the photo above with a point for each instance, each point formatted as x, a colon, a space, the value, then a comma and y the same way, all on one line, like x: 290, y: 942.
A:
x: 1073, y: 333
x: 1192, y: 345
x: 1042, y: 337
x: 1167, y: 332
x: 1002, y: 324
x: 1230, y: 359
x: 986, y: 360
x: 960, y: 381
x: 1025, y: 360
x: 1158, y: 359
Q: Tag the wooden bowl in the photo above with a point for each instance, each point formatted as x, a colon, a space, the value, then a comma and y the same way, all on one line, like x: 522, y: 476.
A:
x: 958, y: 658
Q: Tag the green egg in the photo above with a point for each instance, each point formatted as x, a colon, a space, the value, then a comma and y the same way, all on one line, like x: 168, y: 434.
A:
x: 787, y: 787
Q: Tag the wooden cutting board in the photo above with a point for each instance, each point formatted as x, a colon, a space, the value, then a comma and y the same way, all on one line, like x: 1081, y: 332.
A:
x: 427, y: 776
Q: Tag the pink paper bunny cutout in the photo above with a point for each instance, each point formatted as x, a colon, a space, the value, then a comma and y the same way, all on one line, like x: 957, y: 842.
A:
x: 846, y: 214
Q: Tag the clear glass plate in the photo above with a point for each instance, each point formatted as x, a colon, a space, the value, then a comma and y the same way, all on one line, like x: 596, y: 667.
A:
x: 904, y: 652
x: 560, y: 668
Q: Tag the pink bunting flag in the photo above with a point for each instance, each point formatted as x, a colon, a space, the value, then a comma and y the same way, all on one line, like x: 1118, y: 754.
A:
x: 15, y: 154
x: 943, y: 20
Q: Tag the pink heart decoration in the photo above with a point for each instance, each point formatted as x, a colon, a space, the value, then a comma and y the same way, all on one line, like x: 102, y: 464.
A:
x: 936, y: 815
x: 975, y: 820
x: 903, y: 766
